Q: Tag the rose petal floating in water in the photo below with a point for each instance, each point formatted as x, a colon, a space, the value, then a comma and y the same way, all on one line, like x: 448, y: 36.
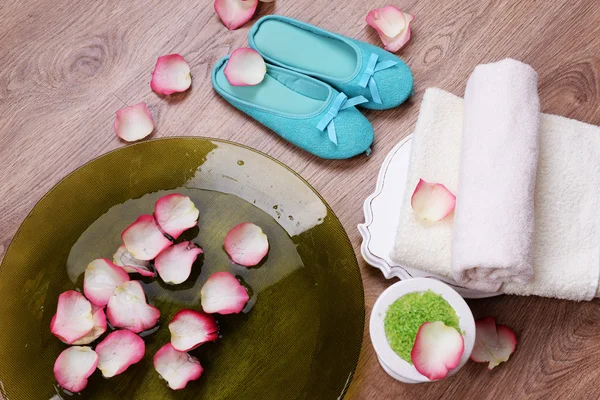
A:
x: 223, y: 294
x: 73, y: 319
x: 176, y: 367
x: 130, y: 264
x: 189, y: 329
x: 98, y: 329
x: 246, y: 244
x: 133, y: 123
x: 144, y: 239
x: 74, y: 366
x: 392, y: 26
x: 245, y: 67
x: 101, y: 279
x: 235, y: 13
x: 437, y: 350
x: 493, y: 343
x: 171, y: 75
x: 174, y: 264
x: 127, y: 308
x: 175, y: 213
x: 432, y: 201
x: 118, y: 351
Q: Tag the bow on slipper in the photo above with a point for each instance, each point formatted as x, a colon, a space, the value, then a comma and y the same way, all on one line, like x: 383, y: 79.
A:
x: 341, y: 102
x: 367, y: 77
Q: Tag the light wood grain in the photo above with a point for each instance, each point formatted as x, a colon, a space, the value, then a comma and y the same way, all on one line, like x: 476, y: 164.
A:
x: 66, y: 66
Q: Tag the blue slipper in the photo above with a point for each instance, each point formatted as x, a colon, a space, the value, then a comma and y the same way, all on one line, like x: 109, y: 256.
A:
x: 352, y: 67
x: 302, y: 110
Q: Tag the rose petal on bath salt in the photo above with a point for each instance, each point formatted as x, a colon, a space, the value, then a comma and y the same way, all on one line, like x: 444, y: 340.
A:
x: 189, y: 329
x: 245, y: 67
x: 74, y: 366
x: 130, y: 264
x: 437, y: 350
x: 175, y: 213
x: 171, y: 75
x: 98, y: 329
x: 118, y: 351
x: 101, y: 279
x: 223, y: 294
x: 493, y: 343
x: 127, y: 308
x: 176, y: 367
x: 432, y: 201
x: 392, y: 26
x: 133, y: 123
x: 73, y: 319
x: 174, y: 264
x: 235, y: 13
x: 246, y: 244
x: 144, y: 239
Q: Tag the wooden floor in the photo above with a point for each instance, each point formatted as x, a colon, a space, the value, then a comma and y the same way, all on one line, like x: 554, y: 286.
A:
x: 66, y: 66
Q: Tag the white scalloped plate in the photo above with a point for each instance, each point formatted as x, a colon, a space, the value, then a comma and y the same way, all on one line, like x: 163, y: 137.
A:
x: 382, y: 213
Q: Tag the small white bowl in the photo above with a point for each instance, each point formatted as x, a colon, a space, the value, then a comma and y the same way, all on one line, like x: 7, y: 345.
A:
x: 391, y: 362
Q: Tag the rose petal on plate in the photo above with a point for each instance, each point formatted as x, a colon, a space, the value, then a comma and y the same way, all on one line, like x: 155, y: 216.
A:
x: 189, y: 329
x: 223, y: 294
x: 246, y: 244
x: 144, y: 239
x: 171, y: 74
x: 174, y: 264
x: 73, y: 319
x: 176, y: 367
x: 432, y: 201
x: 101, y: 279
x: 392, y: 26
x: 175, y: 213
x: 437, y: 350
x: 98, y: 329
x: 493, y: 343
x: 134, y: 122
x: 245, y: 67
x: 235, y: 13
x: 118, y: 351
x: 127, y: 308
x: 130, y: 264
x: 74, y: 366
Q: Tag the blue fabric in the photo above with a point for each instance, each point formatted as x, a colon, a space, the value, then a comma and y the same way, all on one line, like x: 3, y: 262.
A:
x: 341, y: 102
x: 353, y: 132
x: 391, y: 81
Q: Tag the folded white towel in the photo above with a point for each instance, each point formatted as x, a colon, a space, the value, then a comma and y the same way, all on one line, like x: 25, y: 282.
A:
x: 493, y: 224
x: 566, y: 243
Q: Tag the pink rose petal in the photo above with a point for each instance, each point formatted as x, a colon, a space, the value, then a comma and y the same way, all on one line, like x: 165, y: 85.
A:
x: 392, y: 26
x: 175, y: 213
x: 437, y: 350
x: 235, y: 13
x: 176, y: 367
x: 127, y: 308
x: 133, y: 123
x: 174, y: 264
x: 73, y: 319
x: 245, y: 67
x: 223, y: 294
x: 118, y: 351
x: 171, y: 75
x: 493, y: 343
x: 189, y: 329
x: 98, y: 329
x: 122, y: 258
x: 246, y: 244
x: 144, y: 239
x: 101, y: 279
x: 74, y: 366
x: 432, y: 201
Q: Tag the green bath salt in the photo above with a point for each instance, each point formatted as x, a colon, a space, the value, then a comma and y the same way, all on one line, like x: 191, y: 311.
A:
x: 404, y: 317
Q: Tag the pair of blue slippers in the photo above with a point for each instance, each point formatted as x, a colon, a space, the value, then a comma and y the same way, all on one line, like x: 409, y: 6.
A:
x: 313, y: 82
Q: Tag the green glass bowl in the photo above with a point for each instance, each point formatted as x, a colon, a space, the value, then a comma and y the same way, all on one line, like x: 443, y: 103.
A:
x: 299, y: 337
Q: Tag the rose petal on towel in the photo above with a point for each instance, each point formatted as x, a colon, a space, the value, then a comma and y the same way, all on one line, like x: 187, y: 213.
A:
x: 235, y: 13
x: 74, y: 366
x: 245, y: 67
x: 189, y: 329
x: 98, y: 329
x: 118, y: 351
x: 175, y: 213
x: 246, y: 244
x: 171, y: 75
x: 144, y: 239
x: 432, y: 201
x: 130, y: 264
x: 493, y: 343
x: 127, y: 308
x: 133, y: 123
x: 392, y: 26
x: 73, y: 319
x: 176, y: 367
x: 223, y: 294
x: 174, y: 264
x: 437, y: 350
x: 101, y: 279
